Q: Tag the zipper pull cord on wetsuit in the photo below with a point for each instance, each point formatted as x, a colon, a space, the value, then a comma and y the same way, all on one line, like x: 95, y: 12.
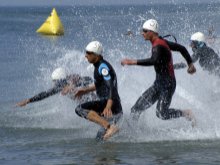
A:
x: 170, y: 35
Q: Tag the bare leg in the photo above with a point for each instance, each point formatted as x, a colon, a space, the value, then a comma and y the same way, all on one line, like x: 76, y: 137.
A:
x: 189, y: 116
x: 94, y: 117
x: 110, y: 129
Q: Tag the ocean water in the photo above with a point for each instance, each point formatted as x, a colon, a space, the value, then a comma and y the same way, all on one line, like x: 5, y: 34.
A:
x: 49, y: 132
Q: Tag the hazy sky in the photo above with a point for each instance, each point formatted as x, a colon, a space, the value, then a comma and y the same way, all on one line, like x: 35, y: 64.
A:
x: 91, y: 2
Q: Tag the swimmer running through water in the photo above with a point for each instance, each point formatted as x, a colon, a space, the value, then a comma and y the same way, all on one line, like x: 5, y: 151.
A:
x: 64, y: 84
x: 164, y: 86
x: 107, y: 110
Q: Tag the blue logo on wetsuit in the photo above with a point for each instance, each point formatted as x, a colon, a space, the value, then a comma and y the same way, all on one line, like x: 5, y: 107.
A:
x: 104, y: 71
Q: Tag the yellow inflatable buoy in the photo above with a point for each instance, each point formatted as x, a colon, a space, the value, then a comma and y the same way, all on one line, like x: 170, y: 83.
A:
x: 52, y: 26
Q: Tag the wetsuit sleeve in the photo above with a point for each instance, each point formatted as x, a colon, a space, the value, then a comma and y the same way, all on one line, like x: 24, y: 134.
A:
x: 85, y: 81
x: 150, y: 61
x: 45, y: 94
x: 105, y: 72
x: 179, y: 65
x: 177, y: 47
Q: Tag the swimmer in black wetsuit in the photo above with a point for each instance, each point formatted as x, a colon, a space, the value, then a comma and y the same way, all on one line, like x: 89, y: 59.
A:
x: 164, y: 86
x: 107, y: 110
x: 62, y: 83
x: 208, y: 59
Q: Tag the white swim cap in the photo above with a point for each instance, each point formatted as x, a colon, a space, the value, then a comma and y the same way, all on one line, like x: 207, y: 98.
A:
x: 198, y: 36
x: 151, y: 25
x: 58, y: 74
x: 95, y: 47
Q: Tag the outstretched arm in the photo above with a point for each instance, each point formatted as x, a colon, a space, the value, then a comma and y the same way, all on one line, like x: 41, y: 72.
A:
x: 39, y: 96
x: 127, y: 61
x: 143, y: 62
x: 68, y: 89
x: 84, y: 90
x: 74, y: 82
x: 23, y: 103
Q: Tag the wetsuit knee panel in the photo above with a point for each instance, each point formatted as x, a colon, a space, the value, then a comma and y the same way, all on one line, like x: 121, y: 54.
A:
x: 81, y: 112
x: 134, y: 110
x: 162, y: 115
x: 169, y: 114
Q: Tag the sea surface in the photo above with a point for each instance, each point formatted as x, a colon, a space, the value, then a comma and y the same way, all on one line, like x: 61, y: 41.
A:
x: 50, y: 133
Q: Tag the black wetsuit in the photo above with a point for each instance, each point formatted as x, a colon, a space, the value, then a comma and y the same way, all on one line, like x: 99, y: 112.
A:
x: 106, y: 88
x: 74, y: 79
x: 208, y: 59
x: 164, y: 86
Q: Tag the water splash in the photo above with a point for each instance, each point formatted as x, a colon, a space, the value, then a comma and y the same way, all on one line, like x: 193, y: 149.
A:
x: 199, y: 92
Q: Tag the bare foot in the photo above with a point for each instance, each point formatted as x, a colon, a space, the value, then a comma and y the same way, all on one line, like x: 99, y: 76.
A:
x: 110, y: 132
x: 189, y: 116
